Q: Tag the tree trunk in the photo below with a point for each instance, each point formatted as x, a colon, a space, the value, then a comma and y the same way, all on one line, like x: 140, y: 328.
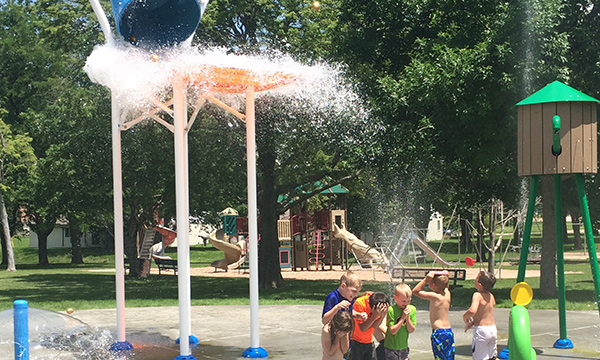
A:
x: 269, y: 270
x: 130, y: 241
x: 576, y: 223
x: 563, y: 218
x: 4, y: 252
x: 481, y: 253
x: 492, y: 244
x: 76, y: 255
x: 10, y: 254
x: 548, y: 262
x: 43, y: 230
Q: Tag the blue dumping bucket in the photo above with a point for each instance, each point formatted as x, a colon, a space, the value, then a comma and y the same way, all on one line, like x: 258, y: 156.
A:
x: 156, y: 22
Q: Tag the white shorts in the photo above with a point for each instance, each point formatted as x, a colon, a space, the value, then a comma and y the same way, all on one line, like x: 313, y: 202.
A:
x: 484, y: 342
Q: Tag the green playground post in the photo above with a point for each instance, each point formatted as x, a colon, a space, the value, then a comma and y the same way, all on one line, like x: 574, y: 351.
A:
x: 589, y: 235
x: 560, y: 257
x: 527, y: 231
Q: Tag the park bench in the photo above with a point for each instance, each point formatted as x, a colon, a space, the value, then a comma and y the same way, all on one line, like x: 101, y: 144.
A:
x: 417, y: 274
x: 166, y: 264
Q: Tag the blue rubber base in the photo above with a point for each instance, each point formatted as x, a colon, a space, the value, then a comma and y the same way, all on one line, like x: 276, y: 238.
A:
x: 563, y: 344
x: 121, y: 346
x: 184, y: 357
x: 503, y: 354
x: 255, y: 353
x: 193, y: 340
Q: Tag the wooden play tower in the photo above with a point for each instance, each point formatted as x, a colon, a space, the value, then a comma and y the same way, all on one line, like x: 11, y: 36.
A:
x: 557, y: 134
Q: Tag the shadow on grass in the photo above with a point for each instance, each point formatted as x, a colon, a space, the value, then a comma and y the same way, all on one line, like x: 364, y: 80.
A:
x: 57, y: 286
x: 63, y: 286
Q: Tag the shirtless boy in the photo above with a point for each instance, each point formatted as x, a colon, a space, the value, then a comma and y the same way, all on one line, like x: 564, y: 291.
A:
x: 480, y: 316
x: 442, y: 337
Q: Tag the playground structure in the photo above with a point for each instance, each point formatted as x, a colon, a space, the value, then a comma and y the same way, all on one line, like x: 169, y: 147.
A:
x: 557, y: 134
x: 319, y: 241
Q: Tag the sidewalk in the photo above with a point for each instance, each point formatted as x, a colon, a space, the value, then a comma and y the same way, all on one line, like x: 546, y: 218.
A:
x: 293, y: 332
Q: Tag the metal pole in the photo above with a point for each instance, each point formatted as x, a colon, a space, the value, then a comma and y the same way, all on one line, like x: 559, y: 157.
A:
x: 103, y: 20
x: 121, y: 343
x: 527, y: 231
x: 589, y: 235
x: 182, y: 208
x: 21, y: 329
x: 563, y: 342
x: 254, y: 351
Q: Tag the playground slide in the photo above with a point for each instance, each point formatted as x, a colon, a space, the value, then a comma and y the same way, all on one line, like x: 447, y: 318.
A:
x: 364, y: 253
x: 429, y: 251
x: 519, y: 335
x: 235, y: 254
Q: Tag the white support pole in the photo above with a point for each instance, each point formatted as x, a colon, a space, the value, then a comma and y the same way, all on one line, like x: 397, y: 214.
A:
x: 182, y: 208
x: 121, y: 343
x: 255, y: 351
x: 103, y: 20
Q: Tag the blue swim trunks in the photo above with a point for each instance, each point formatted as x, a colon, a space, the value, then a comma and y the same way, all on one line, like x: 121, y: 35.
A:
x: 442, y: 343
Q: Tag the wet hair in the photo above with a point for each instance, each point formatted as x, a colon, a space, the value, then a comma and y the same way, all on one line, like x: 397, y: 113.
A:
x: 342, y: 321
x: 487, y: 280
x: 377, y: 298
x: 440, y: 281
x: 403, y: 289
x: 351, y: 279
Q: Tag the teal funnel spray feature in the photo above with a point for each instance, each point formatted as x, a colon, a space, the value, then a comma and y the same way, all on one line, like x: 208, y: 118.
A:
x: 157, y: 22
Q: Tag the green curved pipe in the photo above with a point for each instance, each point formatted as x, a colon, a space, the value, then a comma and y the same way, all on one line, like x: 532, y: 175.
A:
x: 519, y: 335
x: 556, y: 148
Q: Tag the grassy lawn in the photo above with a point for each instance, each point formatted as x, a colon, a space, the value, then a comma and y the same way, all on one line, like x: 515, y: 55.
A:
x: 64, y: 285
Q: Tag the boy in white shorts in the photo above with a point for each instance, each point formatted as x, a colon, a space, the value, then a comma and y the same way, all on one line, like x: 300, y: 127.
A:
x: 480, y: 316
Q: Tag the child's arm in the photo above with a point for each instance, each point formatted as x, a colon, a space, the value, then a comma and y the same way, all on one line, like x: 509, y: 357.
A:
x: 360, y: 315
x: 401, y: 321
x: 344, y: 304
x: 375, y: 319
x: 328, y: 347
x: 471, y: 311
x: 405, y: 319
x: 345, y: 342
x: 418, y: 289
x: 410, y: 326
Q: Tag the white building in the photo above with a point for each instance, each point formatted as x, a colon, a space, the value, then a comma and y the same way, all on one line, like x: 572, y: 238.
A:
x: 60, y: 237
x: 435, y: 228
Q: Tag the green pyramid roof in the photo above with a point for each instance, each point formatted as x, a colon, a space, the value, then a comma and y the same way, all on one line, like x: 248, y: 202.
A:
x: 555, y: 92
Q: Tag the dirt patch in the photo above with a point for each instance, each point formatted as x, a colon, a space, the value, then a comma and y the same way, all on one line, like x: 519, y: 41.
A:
x: 366, y: 275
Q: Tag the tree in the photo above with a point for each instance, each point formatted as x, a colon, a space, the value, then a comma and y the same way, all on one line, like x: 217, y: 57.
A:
x: 49, y: 39
x: 548, y: 262
x: 17, y: 162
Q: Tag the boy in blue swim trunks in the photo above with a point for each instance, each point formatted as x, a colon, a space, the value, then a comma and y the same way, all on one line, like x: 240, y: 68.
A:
x: 442, y: 337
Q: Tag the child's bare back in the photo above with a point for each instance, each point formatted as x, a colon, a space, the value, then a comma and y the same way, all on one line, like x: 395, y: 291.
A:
x: 485, y: 312
x: 481, y: 311
x: 439, y: 307
x: 439, y: 299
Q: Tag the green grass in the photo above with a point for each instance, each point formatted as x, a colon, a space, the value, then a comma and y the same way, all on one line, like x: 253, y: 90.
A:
x: 64, y: 285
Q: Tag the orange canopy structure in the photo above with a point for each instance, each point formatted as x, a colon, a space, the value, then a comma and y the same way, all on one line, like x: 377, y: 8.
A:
x: 216, y: 79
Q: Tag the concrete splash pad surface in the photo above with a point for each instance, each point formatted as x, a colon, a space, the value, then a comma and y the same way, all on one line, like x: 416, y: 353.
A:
x: 292, y: 332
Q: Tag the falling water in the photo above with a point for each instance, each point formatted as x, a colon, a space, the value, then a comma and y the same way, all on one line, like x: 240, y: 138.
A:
x: 138, y: 76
